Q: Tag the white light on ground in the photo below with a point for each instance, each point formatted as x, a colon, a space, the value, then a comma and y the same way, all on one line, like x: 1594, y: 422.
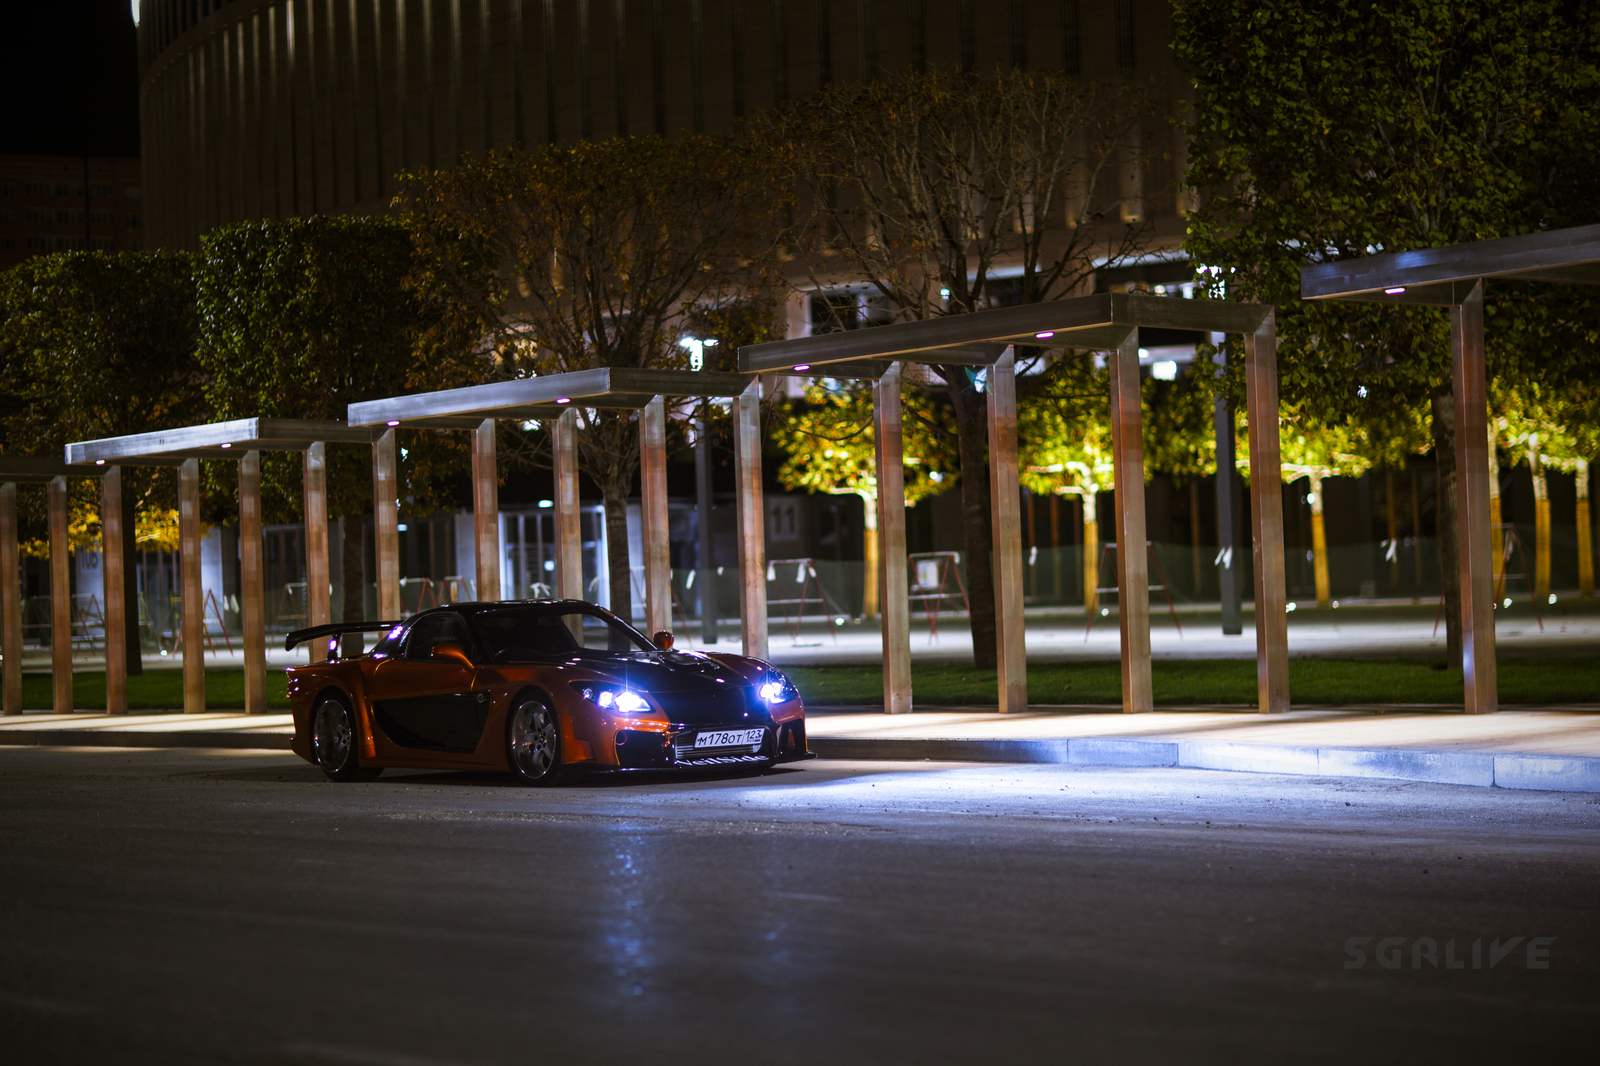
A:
x: 401, y: 527
x: 1165, y: 370
x: 1508, y: 601
x: 1552, y: 597
x: 547, y: 503
x: 1290, y: 607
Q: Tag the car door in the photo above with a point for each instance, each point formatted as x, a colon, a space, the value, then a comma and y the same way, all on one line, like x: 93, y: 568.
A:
x: 426, y: 703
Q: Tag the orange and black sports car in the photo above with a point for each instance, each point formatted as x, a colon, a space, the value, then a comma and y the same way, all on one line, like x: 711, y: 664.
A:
x: 542, y: 688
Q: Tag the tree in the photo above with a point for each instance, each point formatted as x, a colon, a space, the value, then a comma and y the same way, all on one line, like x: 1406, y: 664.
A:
x: 921, y: 185
x: 1333, y: 129
x: 831, y: 447
x: 595, y: 254
x: 99, y: 344
x: 301, y: 317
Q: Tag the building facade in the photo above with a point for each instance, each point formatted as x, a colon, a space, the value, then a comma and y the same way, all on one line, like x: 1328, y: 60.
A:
x: 277, y: 108
x: 66, y: 203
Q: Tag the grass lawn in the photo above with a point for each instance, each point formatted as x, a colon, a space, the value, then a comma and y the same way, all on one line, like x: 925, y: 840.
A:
x: 156, y: 690
x: 1194, y: 681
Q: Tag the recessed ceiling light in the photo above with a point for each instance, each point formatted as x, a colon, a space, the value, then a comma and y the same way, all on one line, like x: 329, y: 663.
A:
x: 803, y: 366
x: 227, y: 445
x: 392, y: 422
x: 1046, y: 335
x: 563, y: 399
x: 1395, y: 291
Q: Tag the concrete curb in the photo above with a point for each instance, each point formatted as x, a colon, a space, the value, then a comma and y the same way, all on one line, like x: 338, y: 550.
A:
x: 1549, y: 773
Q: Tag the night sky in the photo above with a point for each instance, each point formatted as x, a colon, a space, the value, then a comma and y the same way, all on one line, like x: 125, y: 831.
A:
x: 70, y: 76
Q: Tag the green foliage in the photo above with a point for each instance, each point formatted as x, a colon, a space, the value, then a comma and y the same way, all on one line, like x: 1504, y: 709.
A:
x: 1332, y: 129
x: 1064, y: 429
x: 299, y: 318
x: 97, y: 344
x: 831, y: 447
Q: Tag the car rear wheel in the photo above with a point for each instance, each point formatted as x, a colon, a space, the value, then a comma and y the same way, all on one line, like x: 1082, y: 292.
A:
x: 333, y: 742
x: 533, y: 743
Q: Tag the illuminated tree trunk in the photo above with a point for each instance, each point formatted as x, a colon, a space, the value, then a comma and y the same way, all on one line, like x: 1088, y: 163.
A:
x: 1091, y: 553
x: 870, y: 579
x: 1585, y: 532
x: 1497, y: 536
x: 1541, y: 523
x: 1319, y: 543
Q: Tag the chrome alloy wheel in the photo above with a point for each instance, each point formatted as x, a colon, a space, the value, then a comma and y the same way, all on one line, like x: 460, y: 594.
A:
x: 535, y: 745
x: 332, y: 736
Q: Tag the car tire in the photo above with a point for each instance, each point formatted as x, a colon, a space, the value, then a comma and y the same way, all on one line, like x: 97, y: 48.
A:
x: 533, y: 743
x: 333, y: 742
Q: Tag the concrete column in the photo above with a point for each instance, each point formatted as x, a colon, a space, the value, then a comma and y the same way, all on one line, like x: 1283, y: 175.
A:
x: 10, y: 602
x: 318, y: 608
x: 1005, y: 506
x: 252, y: 584
x: 113, y: 575
x: 1266, y: 518
x: 895, y: 619
x: 193, y: 594
x: 486, y: 510
x: 386, y: 523
x: 1472, y: 504
x: 60, y: 598
x: 1133, y: 559
x: 705, y: 563
x: 569, y: 538
x: 653, y: 481
x: 752, y: 522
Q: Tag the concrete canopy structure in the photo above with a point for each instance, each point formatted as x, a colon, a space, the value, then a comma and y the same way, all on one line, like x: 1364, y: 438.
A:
x: 1107, y: 322
x: 558, y: 398
x: 1454, y: 277
x: 52, y: 473
x: 242, y: 440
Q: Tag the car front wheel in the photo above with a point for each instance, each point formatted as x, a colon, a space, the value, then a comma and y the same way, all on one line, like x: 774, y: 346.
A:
x: 333, y: 742
x: 533, y: 743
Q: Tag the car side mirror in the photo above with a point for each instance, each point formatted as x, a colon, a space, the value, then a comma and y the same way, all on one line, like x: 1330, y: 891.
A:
x: 448, y: 651
x: 663, y: 640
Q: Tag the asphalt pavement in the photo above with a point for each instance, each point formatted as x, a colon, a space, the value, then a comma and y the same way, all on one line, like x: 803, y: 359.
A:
x: 205, y: 906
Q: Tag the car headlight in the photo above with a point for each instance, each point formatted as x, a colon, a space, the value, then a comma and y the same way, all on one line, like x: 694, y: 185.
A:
x: 612, y: 697
x: 776, y: 688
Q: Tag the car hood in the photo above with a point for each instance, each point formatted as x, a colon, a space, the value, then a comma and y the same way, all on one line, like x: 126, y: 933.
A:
x: 691, y: 688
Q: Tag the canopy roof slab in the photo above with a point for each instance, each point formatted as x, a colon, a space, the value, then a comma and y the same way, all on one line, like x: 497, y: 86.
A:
x: 555, y: 398
x: 1098, y: 323
x: 243, y: 440
x: 624, y: 388
x: 1444, y: 277
x: 37, y: 470
x: 1103, y: 322
x: 216, y: 440
x: 1453, y: 277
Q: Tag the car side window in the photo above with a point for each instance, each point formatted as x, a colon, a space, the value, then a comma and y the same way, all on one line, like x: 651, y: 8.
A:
x: 434, y: 629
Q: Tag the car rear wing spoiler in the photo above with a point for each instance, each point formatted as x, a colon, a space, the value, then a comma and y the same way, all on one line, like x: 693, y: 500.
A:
x: 300, y: 636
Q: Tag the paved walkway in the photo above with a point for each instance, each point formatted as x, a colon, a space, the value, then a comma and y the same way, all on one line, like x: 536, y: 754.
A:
x: 1543, y: 749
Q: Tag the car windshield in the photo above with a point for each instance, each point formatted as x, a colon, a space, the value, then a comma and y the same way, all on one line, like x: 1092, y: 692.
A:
x: 534, y: 633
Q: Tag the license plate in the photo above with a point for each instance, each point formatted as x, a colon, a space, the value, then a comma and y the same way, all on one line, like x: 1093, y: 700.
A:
x: 727, y: 738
